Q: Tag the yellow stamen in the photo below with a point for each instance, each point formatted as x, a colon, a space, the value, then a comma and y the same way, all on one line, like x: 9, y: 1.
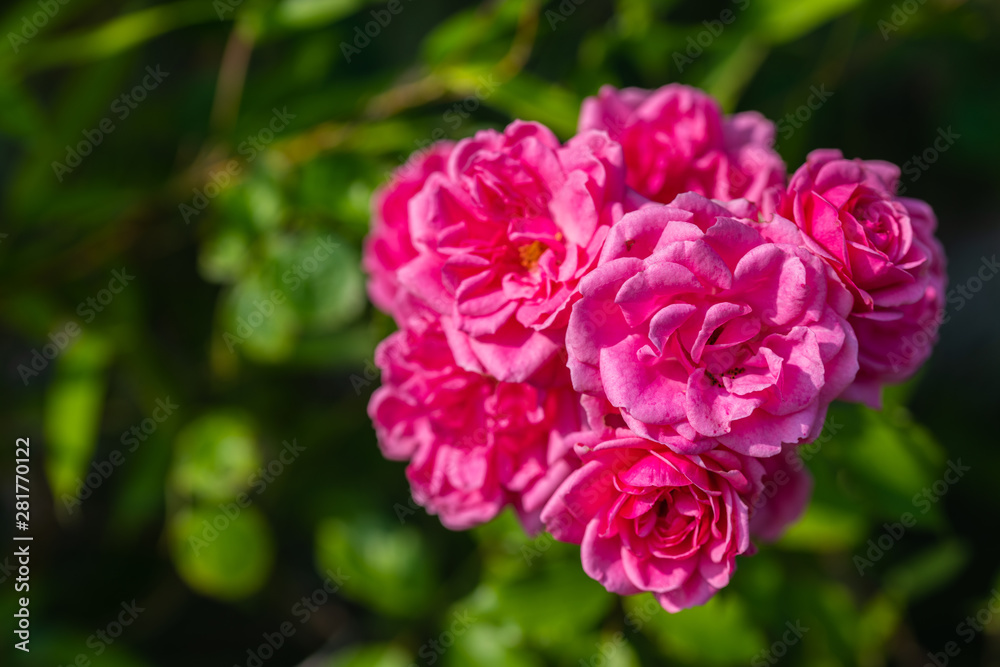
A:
x: 530, y: 254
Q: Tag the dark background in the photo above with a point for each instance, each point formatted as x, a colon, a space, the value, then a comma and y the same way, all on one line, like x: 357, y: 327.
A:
x: 900, y: 73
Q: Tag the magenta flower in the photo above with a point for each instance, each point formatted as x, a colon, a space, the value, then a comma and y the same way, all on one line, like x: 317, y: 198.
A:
x: 700, y: 330
x: 784, y: 495
x: 676, y: 140
x: 649, y: 519
x: 501, y: 234
x: 474, y: 444
x: 884, y: 250
x: 388, y: 245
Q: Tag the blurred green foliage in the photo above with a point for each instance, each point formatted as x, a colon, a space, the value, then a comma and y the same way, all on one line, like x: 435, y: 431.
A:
x: 235, y: 185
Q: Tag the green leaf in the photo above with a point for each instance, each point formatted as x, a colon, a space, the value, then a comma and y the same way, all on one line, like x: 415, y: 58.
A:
x: 694, y: 635
x: 786, y: 20
x: 379, y: 558
x: 86, y: 99
x: 72, y: 413
x: 825, y: 528
x: 530, y: 98
x: 482, y: 31
x: 509, y: 555
x: 263, y: 201
x: 558, y: 600
x: 928, y: 571
x: 259, y: 321
x: 139, y: 498
x: 320, y: 275
x: 224, y: 257
x: 889, y: 460
x: 486, y: 645
x: 61, y: 646
x: 727, y: 80
x: 616, y: 650
x: 829, y: 611
x: 306, y: 284
x: 340, y: 189
x: 117, y: 35
x: 215, y: 457
x: 224, y: 551
x: 635, y: 18
x: 313, y: 13
x: 352, y: 347
x: 878, y: 624
x: 22, y: 117
x: 370, y: 656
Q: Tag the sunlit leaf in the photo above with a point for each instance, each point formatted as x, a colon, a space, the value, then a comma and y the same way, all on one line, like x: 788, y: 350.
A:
x: 533, y: 99
x: 378, y: 558
x: 370, y: 656
x: 313, y: 13
x: 486, y: 645
x: 224, y: 257
x: 119, y: 34
x: 215, y: 457
x: 825, y: 528
x: 225, y: 551
x: 880, y: 620
x: 259, y: 321
x: 73, y: 411
x: 784, y: 20
x: 484, y: 31
x: 891, y: 461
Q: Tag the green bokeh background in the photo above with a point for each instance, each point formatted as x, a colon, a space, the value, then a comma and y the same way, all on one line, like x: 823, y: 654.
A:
x: 269, y: 252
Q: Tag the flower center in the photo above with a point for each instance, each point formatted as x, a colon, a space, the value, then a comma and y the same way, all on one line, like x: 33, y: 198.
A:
x: 876, y: 225
x: 732, y: 373
x: 530, y: 253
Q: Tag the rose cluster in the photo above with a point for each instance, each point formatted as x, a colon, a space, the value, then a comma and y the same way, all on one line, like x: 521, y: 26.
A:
x: 625, y: 337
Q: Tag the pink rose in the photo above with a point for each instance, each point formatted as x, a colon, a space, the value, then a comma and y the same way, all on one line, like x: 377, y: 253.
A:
x: 474, y: 444
x: 884, y: 250
x: 700, y: 329
x: 784, y: 495
x: 501, y: 235
x: 676, y: 140
x: 649, y: 519
x: 891, y: 348
x: 388, y: 246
